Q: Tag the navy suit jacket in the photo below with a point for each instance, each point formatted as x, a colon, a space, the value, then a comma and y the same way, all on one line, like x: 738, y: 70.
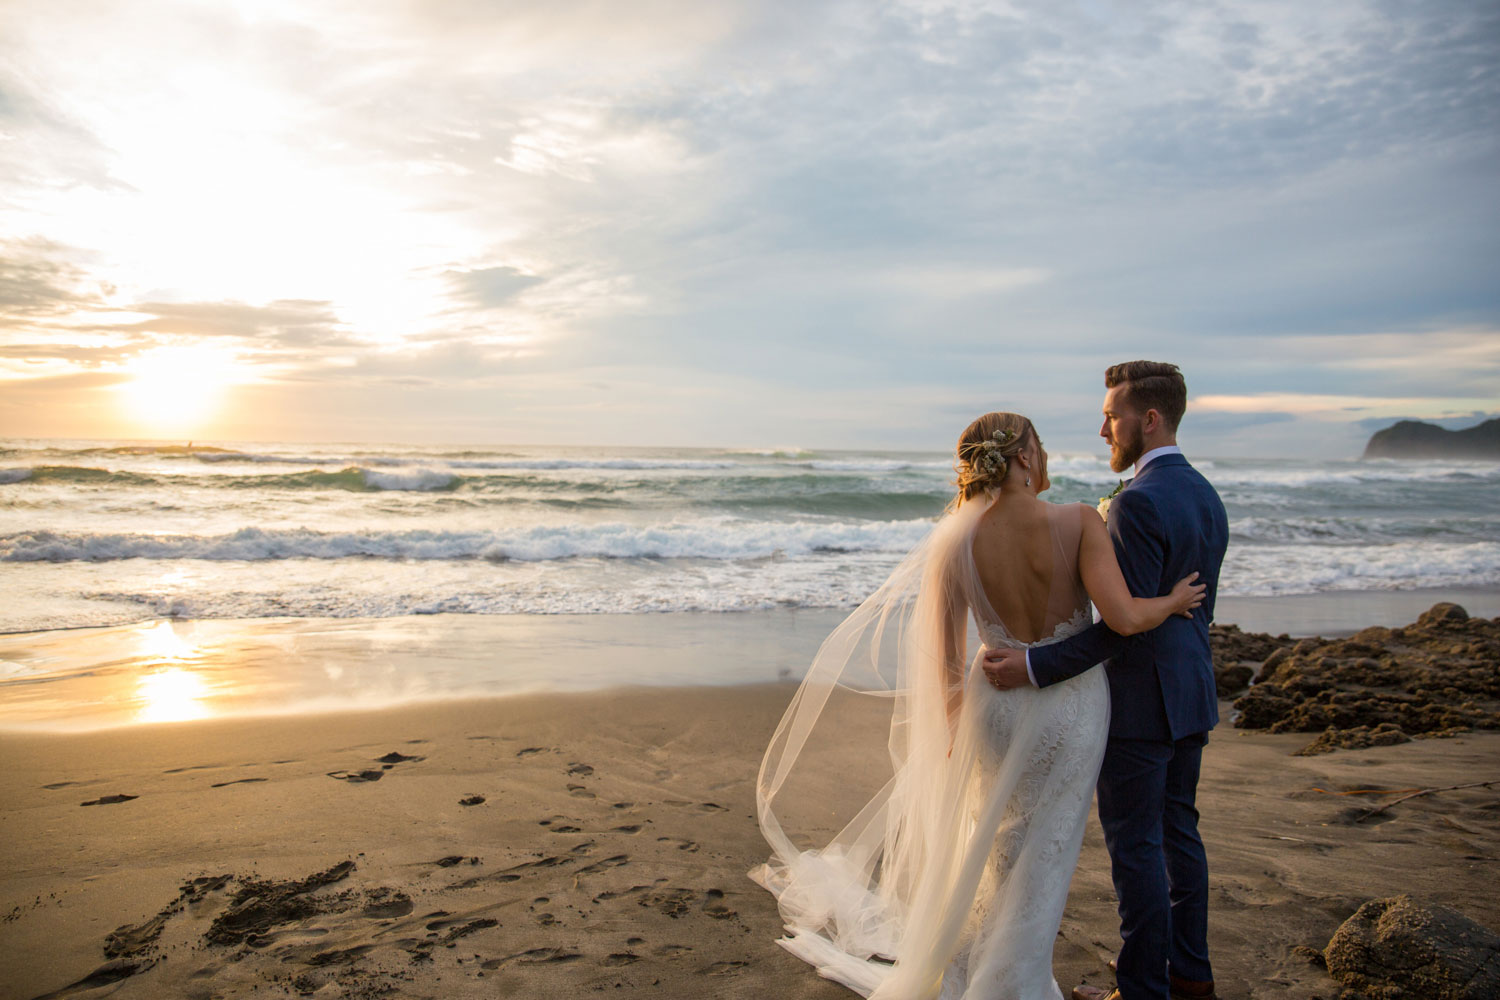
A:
x: 1166, y: 523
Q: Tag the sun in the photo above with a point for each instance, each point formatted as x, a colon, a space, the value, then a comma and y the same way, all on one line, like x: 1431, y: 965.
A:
x: 174, y: 389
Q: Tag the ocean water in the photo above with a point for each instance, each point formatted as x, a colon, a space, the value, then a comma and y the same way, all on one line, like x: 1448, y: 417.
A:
x: 108, y: 533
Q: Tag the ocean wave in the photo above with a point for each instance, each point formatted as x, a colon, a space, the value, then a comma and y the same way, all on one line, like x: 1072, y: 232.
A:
x: 1275, y: 570
x: 874, y: 465
x: 515, y: 464
x: 1347, y: 529
x: 729, y: 539
x: 81, y: 474
x: 354, y: 478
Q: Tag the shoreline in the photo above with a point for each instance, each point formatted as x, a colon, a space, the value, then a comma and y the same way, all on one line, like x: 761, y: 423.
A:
x: 551, y: 845
x: 175, y: 670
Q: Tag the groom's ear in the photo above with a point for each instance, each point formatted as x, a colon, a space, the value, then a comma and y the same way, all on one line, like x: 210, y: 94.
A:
x: 1151, y: 420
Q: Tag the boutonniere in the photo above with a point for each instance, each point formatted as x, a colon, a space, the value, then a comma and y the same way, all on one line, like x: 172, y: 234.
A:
x: 1104, y: 502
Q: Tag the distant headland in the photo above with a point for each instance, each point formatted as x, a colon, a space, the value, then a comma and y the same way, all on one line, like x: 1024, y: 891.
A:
x: 1415, y: 439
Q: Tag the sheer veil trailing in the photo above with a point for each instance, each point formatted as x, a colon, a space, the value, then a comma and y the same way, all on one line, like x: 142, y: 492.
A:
x: 883, y: 900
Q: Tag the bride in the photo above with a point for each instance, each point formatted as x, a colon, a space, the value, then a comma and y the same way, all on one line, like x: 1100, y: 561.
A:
x: 949, y: 881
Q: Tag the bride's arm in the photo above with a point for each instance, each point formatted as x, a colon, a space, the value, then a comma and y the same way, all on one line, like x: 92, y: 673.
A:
x: 1105, y: 583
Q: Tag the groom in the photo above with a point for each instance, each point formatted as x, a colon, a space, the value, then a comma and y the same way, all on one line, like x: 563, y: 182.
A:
x: 1166, y: 523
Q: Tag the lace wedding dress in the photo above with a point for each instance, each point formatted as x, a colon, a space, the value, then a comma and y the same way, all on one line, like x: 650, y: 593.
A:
x: 950, y: 880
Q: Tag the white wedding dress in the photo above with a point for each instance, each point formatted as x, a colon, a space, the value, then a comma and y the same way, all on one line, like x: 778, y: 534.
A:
x: 950, y: 880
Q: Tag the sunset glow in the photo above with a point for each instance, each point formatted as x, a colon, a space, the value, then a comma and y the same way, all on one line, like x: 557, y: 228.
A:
x: 744, y: 223
x: 172, y: 390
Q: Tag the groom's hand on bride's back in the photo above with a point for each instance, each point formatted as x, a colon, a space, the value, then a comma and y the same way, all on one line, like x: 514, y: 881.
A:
x: 1006, y: 668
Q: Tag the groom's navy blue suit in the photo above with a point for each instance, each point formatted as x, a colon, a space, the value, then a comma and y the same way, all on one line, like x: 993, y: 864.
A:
x: 1167, y: 523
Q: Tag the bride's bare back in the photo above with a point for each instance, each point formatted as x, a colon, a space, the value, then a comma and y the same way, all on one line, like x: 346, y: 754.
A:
x: 1026, y: 556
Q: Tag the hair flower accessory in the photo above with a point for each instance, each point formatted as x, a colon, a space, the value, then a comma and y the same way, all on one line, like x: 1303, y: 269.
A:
x: 992, y: 462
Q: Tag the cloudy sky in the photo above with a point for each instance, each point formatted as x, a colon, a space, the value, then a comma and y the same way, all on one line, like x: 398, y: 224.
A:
x: 822, y: 224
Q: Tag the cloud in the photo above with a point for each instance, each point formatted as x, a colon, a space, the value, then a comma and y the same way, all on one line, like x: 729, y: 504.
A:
x: 488, y: 287
x: 287, y: 322
x: 907, y: 208
x: 39, y: 278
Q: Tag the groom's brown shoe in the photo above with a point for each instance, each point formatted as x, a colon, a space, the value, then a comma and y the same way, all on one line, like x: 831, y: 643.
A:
x: 1191, y: 989
x: 1094, y: 993
x: 1182, y: 989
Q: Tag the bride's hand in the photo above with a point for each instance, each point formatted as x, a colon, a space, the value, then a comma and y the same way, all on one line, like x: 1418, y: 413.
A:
x: 1188, y: 595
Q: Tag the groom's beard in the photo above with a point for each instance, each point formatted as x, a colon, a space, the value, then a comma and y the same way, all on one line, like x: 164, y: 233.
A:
x: 1124, y: 454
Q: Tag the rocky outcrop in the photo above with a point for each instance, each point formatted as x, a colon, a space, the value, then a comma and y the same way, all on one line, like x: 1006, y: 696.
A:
x: 1414, y: 439
x: 1435, y: 677
x: 1397, y: 948
x: 1238, y: 655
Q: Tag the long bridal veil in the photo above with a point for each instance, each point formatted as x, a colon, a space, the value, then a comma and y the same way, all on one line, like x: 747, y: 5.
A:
x: 881, y: 895
x: 853, y: 902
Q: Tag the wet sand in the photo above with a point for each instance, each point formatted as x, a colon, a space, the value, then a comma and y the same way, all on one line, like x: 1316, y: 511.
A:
x: 560, y: 845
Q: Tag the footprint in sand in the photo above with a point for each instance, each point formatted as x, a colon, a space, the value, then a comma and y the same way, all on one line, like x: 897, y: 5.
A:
x: 472, y: 800
x: 670, y: 902
x: 454, y: 859
x: 622, y: 805
x: 535, y: 955
x: 703, y: 807
x: 628, y: 828
x: 580, y: 792
x: 60, y: 784
x: 397, y: 758
x: 342, y: 956
x: 713, y: 904
x: 673, y: 950
x: 528, y: 751
x: 581, y: 770
x: 458, y: 928
x: 690, y: 846
x: 237, y: 781
x: 620, y: 958
x: 723, y: 968
x: 604, y: 864
x: 396, y: 904
x: 108, y: 800
x: 357, y: 777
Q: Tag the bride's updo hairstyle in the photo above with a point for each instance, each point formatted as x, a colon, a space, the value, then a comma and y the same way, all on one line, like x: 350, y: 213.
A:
x: 985, y: 449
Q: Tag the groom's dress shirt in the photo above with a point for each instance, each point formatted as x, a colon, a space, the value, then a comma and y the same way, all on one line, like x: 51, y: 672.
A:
x: 1140, y: 465
x: 1153, y: 454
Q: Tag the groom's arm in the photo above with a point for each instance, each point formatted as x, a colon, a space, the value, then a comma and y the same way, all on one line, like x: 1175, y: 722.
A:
x: 1136, y: 529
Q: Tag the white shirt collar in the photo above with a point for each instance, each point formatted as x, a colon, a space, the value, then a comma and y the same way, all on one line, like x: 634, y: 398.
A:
x: 1153, y: 454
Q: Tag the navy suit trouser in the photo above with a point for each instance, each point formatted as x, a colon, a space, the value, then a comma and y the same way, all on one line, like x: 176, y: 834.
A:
x: 1147, y: 806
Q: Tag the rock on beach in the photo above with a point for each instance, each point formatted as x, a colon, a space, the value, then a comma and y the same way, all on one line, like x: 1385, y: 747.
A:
x: 1436, y: 677
x: 1397, y: 948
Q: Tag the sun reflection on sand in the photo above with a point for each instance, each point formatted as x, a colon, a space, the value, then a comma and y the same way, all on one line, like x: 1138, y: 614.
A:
x: 174, y: 693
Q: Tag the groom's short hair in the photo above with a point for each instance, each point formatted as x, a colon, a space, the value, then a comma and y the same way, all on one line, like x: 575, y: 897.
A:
x: 1151, y: 385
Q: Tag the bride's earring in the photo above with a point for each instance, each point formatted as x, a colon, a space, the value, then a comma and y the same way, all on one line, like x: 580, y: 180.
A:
x: 1028, y: 480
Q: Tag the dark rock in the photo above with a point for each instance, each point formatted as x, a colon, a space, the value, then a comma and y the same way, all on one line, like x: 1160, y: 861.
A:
x: 1230, y: 681
x: 1414, y: 680
x: 1431, y: 952
x: 1384, y: 735
x: 1268, y: 668
x: 1439, y: 613
x: 1415, y: 439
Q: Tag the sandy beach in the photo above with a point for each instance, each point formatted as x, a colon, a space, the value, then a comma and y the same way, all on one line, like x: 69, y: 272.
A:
x: 557, y: 845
